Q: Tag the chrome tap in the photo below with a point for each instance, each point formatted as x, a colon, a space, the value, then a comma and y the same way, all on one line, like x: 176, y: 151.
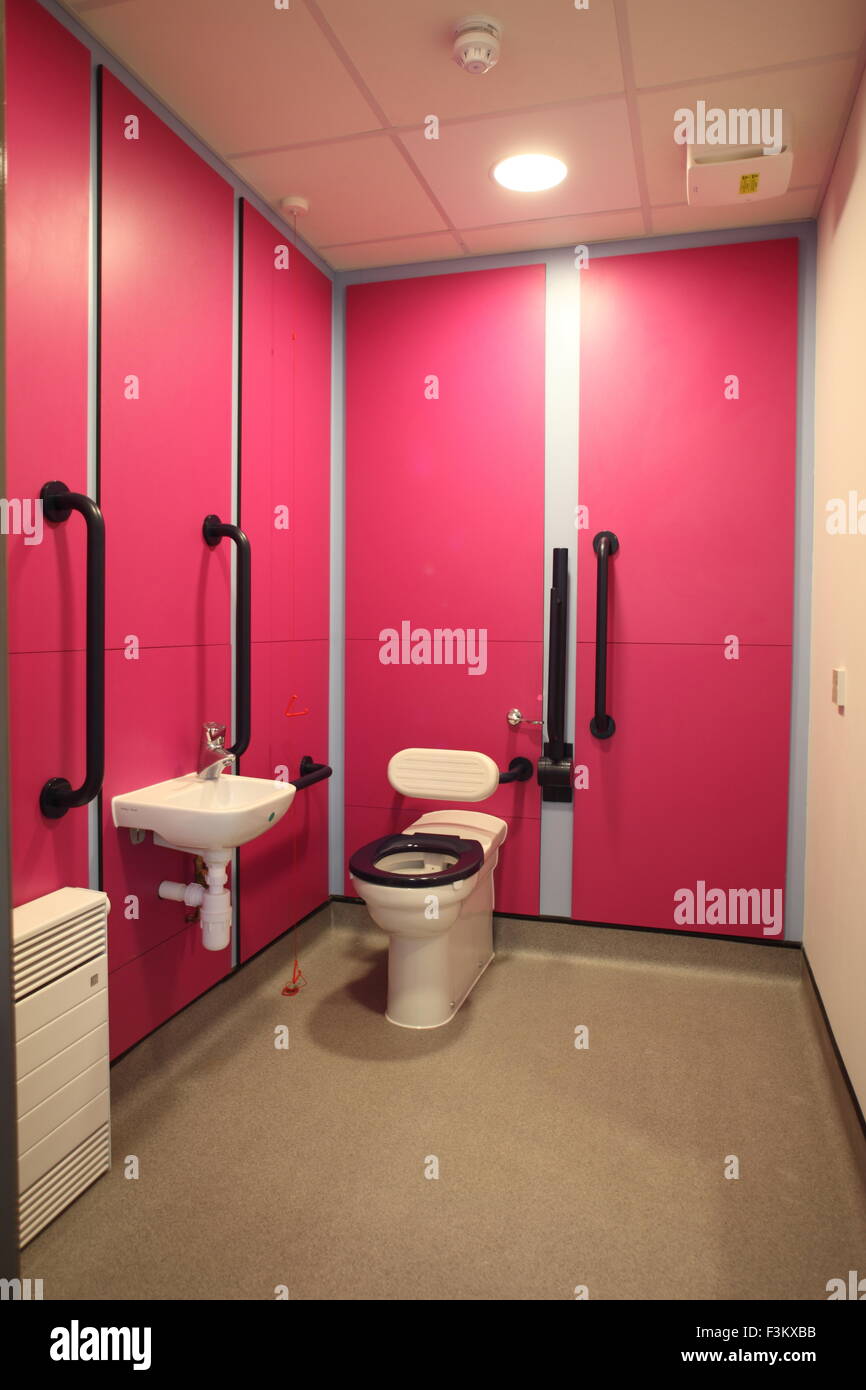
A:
x: 213, y: 756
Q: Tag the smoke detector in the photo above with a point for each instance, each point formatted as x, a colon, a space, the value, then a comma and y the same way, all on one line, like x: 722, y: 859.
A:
x: 477, y: 43
x: 295, y: 205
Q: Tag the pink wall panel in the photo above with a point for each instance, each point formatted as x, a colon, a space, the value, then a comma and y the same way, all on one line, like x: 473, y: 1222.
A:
x: 156, y: 707
x: 311, y: 304
x: 285, y: 433
x: 47, y: 854
x: 394, y: 707
x: 166, y: 319
x: 167, y: 239
x: 166, y: 250
x: 284, y: 874
x: 285, y: 462
x: 48, y: 152
x: 450, y: 490
x: 445, y: 529
x: 688, y: 454
x: 267, y: 425
x: 698, y: 488
x: 692, y: 786
x: 302, y: 668
x: 47, y: 190
x: 149, y: 989
x: 257, y: 761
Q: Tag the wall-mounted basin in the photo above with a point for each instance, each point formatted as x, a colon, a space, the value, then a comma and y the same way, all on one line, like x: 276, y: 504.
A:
x: 198, y: 813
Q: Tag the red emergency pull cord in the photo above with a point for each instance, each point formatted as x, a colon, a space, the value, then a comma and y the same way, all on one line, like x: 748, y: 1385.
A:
x: 297, y: 981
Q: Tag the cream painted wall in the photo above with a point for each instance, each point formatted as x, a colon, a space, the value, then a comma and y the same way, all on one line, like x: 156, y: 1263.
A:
x: 835, y: 916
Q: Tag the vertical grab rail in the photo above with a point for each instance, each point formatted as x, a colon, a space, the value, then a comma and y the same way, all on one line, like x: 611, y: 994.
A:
x: 602, y: 724
x: 213, y: 531
x: 58, y: 795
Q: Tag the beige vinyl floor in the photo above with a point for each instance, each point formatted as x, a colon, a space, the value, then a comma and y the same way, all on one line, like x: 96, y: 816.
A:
x: 305, y: 1169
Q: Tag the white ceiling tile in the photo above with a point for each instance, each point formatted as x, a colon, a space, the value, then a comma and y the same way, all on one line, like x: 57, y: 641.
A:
x: 593, y: 140
x: 554, y: 231
x: 678, y: 40
x: 441, y: 246
x: 794, y: 206
x: 550, y: 52
x: 280, y: 94
x: 359, y: 190
x: 814, y: 101
x: 244, y: 76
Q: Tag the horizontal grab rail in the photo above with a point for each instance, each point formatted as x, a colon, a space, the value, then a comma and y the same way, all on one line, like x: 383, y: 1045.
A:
x: 58, y: 796
x: 311, y: 772
x: 519, y: 770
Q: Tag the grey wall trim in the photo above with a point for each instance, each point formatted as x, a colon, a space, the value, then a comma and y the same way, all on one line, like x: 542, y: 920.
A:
x: 561, y: 416
x: 804, y: 523
x: 8, y: 1098
x: 103, y: 55
x: 561, y: 429
x: 337, y: 650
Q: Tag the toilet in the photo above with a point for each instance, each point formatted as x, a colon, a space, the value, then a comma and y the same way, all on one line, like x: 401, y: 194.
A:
x: 430, y: 889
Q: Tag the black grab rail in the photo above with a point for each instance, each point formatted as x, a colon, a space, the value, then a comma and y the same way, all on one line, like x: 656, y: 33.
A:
x: 311, y: 772
x: 519, y: 770
x: 602, y: 725
x: 555, y: 766
x: 58, y: 795
x: 213, y: 531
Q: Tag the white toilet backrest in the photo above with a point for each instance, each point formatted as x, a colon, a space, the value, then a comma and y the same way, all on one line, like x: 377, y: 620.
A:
x: 443, y: 774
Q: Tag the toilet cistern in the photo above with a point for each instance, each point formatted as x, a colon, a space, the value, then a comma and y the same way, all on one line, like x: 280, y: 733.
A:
x: 213, y: 758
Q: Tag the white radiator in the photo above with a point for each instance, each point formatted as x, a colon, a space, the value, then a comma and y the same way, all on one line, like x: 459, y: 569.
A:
x: 60, y: 987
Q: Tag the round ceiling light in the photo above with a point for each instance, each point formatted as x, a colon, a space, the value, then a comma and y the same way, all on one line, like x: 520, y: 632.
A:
x: 529, y: 173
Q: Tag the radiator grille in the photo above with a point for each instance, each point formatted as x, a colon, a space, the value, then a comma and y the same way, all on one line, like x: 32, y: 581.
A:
x: 46, y: 955
x: 63, y: 1183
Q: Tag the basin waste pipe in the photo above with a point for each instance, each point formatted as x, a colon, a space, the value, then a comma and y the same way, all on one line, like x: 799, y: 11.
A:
x: 214, y: 901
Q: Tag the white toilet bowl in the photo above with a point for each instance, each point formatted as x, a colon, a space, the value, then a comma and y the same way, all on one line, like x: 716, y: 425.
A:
x: 440, y: 928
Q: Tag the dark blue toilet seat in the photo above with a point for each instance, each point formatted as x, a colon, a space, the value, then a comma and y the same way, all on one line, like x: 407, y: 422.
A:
x: 469, y: 856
